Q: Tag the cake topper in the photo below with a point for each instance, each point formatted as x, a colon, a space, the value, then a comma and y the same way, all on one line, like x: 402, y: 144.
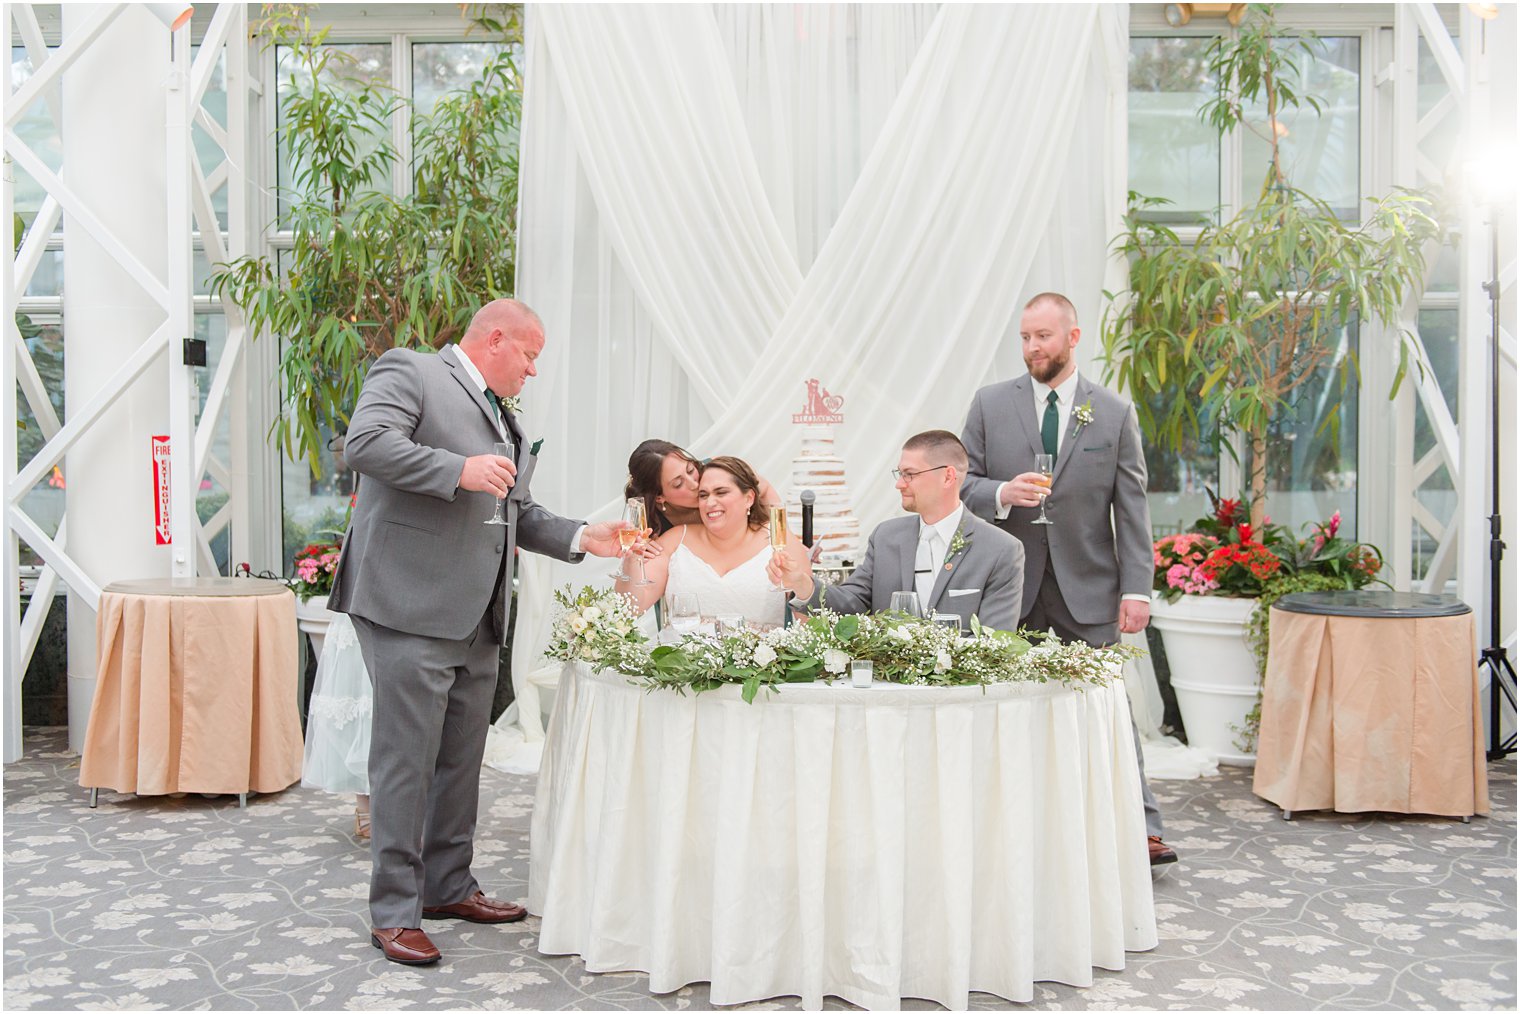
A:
x: 822, y: 408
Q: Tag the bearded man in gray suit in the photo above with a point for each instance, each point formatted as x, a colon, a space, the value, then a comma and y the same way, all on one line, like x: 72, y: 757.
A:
x: 1089, y: 571
x: 955, y: 561
x: 427, y: 582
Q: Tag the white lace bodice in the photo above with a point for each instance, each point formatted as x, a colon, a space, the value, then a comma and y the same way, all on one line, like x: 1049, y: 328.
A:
x: 745, y: 591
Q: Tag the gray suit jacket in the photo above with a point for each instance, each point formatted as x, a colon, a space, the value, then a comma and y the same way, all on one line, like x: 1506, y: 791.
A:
x: 418, y: 556
x: 984, y: 579
x: 1100, y: 543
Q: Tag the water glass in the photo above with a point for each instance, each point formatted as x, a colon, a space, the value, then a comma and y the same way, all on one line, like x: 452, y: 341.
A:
x: 861, y: 672
x: 685, y: 613
x: 906, y: 602
x: 729, y: 624
x: 951, y: 620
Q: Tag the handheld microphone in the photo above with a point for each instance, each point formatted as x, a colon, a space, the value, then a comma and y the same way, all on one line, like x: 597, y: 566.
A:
x: 808, y: 499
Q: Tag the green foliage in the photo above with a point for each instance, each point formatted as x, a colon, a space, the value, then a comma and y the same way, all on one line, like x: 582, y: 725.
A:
x: 1243, y: 317
x: 370, y: 271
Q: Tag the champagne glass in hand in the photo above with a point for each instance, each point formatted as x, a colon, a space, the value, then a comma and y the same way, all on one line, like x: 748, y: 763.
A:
x: 1045, y: 464
x: 637, y: 516
x: 778, y: 528
x: 501, y: 451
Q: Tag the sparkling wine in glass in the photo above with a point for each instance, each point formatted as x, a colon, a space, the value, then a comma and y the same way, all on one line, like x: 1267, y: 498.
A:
x: 778, y: 527
x: 629, y: 537
x: 1045, y: 464
x: 501, y: 451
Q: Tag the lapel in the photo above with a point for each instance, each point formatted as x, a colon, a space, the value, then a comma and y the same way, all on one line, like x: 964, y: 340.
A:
x: 519, y: 443
x: 942, y: 579
x: 908, y: 548
x: 1068, y: 439
x: 463, y: 377
x: 1024, y: 412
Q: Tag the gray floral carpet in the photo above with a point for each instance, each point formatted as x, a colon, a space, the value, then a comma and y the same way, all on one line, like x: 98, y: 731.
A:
x: 192, y: 903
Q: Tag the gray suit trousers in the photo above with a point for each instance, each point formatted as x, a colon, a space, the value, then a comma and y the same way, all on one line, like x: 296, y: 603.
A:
x: 432, y: 703
x: 1049, y: 612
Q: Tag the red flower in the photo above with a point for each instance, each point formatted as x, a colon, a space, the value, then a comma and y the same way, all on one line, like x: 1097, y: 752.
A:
x: 1225, y: 513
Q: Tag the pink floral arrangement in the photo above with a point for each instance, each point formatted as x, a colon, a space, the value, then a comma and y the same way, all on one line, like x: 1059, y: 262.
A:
x: 314, y: 566
x: 1179, y: 562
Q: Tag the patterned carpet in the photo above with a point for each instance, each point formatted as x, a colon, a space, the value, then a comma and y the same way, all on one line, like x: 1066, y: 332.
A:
x: 191, y: 903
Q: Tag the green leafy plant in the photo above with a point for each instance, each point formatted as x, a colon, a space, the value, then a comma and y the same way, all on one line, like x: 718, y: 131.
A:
x: 1242, y: 318
x: 369, y: 271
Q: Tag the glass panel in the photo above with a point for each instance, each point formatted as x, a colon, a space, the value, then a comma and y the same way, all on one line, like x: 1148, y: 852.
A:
x: 316, y: 508
x: 1172, y: 153
x: 38, y: 131
x: 1321, y: 152
x: 43, y: 335
x: 442, y: 67
x: 47, y: 280
x: 210, y: 496
x: 359, y: 64
x: 208, y: 152
x: 1312, y: 445
x: 1178, y: 480
x: 1438, y: 332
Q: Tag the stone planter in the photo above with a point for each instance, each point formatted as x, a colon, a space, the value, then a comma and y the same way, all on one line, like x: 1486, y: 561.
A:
x: 1213, y: 671
x: 312, y: 619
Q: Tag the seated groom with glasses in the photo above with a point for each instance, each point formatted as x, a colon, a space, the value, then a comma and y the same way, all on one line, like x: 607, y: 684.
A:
x: 955, y: 561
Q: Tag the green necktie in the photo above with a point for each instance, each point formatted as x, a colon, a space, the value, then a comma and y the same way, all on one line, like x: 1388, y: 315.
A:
x: 1050, y: 425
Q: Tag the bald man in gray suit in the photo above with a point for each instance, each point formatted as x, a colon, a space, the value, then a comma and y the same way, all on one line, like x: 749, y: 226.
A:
x: 1088, y: 572
x: 427, y: 583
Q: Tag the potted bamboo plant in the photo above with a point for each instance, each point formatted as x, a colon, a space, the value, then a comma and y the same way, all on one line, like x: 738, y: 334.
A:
x: 1229, y: 328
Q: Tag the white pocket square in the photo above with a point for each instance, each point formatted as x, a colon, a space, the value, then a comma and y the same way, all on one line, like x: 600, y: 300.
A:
x: 960, y: 591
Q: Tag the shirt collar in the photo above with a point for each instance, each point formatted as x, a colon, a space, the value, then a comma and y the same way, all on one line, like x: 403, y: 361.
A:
x: 470, y: 368
x: 1065, y: 392
x: 946, y: 526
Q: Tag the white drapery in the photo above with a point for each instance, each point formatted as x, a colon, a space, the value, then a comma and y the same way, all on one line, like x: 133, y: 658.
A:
x: 721, y: 202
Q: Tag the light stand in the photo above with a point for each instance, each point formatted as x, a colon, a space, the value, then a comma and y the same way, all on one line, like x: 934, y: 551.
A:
x: 1494, y: 658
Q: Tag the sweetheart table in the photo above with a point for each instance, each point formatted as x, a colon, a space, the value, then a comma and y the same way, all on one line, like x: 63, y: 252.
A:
x: 871, y: 844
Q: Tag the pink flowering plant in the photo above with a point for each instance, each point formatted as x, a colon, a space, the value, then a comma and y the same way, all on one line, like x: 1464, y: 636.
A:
x: 314, y: 567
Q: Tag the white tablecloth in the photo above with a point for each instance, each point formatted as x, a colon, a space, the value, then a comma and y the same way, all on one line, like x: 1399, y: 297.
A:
x: 869, y: 844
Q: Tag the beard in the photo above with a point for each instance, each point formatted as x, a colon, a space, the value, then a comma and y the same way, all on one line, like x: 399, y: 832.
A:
x: 1050, y: 369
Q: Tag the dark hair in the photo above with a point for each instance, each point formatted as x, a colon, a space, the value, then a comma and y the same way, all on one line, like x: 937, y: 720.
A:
x: 759, y: 514
x: 941, y: 447
x: 1057, y: 300
x: 646, y: 465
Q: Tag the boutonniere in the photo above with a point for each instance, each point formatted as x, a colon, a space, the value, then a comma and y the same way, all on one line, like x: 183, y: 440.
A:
x: 958, y: 543
x: 1084, y: 414
x: 511, y: 403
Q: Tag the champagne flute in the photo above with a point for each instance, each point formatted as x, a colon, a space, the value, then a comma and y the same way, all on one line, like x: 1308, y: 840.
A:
x: 633, y: 513
x: 778, y: 527
x: 1045, y: 464
x: 501, y: 450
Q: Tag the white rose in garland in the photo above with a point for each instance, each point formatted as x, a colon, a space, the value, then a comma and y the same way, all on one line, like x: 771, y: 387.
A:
x: 835, y: 660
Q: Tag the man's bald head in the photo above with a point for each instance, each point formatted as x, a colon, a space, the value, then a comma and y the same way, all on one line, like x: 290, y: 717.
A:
x: 504, y: 340
x: 1055, y: 301
x: 510, y: 317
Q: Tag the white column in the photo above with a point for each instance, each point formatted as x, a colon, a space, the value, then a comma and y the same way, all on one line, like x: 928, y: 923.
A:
x: 114, y: 158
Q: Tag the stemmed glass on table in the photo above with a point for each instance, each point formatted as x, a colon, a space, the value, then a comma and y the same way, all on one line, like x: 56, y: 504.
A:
x: 636, y: 514
x: 1045, y: 464
x: 906, y: 602
x: 501, y: 450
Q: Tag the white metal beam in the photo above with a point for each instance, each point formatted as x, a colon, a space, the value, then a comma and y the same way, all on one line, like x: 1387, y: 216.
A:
x: 48, y: 75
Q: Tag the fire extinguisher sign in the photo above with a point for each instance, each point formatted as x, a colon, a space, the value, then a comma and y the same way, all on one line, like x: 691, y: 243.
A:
x: 161, y: 531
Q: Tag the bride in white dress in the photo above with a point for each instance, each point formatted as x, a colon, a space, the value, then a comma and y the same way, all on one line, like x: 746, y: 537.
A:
x: 721, y: 561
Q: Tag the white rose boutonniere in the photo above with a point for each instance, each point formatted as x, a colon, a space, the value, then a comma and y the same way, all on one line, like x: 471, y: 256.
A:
x: 1084, y: 414
x: 512, y: 404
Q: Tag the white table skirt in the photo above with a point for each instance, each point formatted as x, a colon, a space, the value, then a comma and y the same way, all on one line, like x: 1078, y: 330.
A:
x: 869, y: 844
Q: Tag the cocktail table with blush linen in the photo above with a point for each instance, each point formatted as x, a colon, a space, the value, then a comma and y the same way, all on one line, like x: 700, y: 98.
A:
x: 197, y: 688
x: 871, y: 844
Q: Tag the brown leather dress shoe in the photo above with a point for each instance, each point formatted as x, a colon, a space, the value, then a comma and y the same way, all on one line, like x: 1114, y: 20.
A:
x: 477, y: 908
x: 1161, y: 853
x: 405, y: 946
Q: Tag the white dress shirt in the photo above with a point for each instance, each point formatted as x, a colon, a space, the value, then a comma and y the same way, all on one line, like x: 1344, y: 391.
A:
x: 933, y: 546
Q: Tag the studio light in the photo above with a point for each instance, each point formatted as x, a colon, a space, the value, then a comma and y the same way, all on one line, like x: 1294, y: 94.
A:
x: 1485, y: 11
x: 1491, y: 176
x: 1178, y: 15
x: 174, y: 16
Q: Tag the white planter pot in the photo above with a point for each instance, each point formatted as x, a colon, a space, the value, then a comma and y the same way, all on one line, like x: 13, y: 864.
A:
x: 1213, y: 671
x: 312, y: 619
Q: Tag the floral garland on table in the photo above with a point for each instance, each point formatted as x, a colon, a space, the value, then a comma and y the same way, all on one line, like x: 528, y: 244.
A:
x: 598, y: 626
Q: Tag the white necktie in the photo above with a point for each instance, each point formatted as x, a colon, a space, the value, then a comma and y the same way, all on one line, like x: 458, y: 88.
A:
x: 925, y: 566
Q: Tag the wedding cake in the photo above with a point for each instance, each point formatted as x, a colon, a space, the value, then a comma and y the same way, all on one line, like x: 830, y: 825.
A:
x: 819, y: 469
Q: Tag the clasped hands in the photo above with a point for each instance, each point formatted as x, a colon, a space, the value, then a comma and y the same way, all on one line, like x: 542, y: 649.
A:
x: 1026, y: 489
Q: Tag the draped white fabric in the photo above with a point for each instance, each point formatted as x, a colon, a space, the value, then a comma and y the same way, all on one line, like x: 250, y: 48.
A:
x: 720, y: 202
x: 867, y: 844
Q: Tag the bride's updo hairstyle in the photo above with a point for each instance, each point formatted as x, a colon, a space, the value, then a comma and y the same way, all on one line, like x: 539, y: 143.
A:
x: 748, y: 482
x: 645, y: 469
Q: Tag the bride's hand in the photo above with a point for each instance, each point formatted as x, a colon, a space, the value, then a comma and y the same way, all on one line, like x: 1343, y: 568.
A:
x: 789, y: 569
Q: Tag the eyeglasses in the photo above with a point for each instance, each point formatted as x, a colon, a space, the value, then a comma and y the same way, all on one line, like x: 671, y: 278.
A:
x: 903, y: 475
